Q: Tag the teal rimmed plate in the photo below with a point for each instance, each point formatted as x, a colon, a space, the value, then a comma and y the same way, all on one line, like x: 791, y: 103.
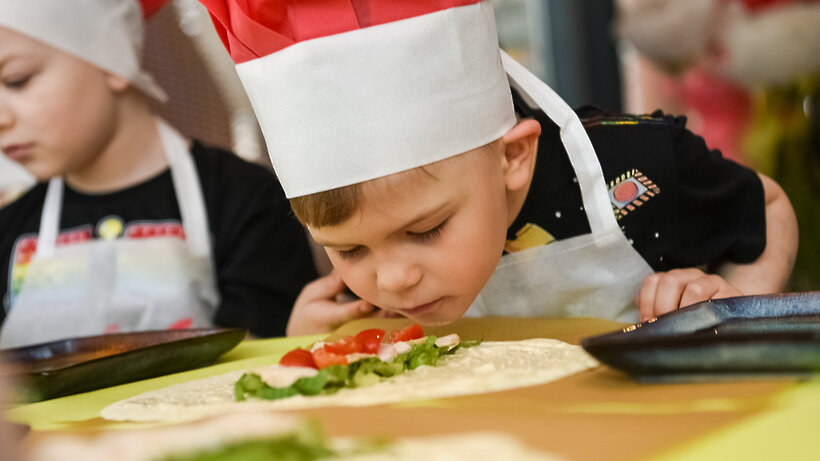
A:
x: 71, y: 366
x: 748, y: 337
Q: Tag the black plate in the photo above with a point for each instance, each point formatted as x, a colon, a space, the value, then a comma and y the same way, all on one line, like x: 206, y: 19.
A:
x: 70, y: 366
x: 747, y: 336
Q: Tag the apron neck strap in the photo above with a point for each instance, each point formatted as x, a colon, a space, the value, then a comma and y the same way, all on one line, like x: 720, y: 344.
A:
x: 576, y: 141
x: 50, y: 218
x: 188, y: 190
x: 186, y: 186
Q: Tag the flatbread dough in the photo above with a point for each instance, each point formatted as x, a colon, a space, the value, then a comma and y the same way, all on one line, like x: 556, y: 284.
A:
x: 489, y: 367
x: 158, y: 443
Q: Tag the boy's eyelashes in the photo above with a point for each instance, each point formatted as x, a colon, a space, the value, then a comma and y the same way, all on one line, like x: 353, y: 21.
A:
x: 349, y: 254
x: 16, y: 82
x: 416, y: 236
x: 429, y: 234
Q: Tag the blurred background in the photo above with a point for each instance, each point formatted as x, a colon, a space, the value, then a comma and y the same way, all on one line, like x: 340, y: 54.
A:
x: 745, y: 72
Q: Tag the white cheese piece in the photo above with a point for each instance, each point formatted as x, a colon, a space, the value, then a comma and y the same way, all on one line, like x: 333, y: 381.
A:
x: 387, y: 352
x: 449, y: 340
x: 356, y: 356
x: 279, y: 376
x: 402, y: 347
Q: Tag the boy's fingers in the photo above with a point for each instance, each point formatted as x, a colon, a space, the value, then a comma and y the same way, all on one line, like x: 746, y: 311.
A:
x: 665, y: 292
x: 699, y: 290
x: 670, y: 290
x: 646, y: 297
x: 342, y: 313
x: 708, y: 287
x: 324, y: 287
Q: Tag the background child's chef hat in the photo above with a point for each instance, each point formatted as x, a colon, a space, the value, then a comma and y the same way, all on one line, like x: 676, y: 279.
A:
x: 351, y: 90
x: 105, y: 33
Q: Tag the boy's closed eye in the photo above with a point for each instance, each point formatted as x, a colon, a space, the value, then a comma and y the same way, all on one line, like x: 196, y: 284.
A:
x: 423, y: 236
x: 17, y: 72
x: 351, y: 253
x: 16, y: 82
x: 429, y: 234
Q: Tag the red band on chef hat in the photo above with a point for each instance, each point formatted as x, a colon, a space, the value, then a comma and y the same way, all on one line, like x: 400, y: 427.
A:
x: 351, y: 90
x: 105, y: 33
x: 255, y: 28
x: 150, y: 7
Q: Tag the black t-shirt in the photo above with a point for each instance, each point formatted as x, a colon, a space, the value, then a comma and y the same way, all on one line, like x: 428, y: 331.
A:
x: 260, y: 251
x: 679, y: 203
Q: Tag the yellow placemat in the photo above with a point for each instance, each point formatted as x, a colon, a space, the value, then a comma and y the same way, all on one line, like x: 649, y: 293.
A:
x: 66, y: 412
x: 786, y: 430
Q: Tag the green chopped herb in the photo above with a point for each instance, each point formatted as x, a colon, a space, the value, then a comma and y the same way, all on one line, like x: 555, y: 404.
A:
x: 307, y: 444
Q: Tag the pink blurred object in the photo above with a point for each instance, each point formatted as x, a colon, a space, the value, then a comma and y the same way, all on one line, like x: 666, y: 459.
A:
x: 723, y: 107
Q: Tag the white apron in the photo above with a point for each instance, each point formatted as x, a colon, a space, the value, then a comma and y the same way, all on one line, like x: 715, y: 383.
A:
x: 592, y: 275
x: 99, y: 286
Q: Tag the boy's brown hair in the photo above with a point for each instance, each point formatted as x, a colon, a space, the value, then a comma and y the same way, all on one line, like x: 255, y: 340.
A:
x: 327, y: 208
x: 335, y: 206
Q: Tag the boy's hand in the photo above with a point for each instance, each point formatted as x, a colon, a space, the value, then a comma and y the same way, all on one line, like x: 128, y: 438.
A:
x: 317, y: 310
x: 664, y: 292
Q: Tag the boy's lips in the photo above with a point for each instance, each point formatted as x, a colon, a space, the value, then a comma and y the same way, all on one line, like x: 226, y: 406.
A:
x: 17, y: 152
x: 421, y: 309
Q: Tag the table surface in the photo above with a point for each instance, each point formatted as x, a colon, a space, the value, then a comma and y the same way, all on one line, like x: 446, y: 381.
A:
x: 596, y: 414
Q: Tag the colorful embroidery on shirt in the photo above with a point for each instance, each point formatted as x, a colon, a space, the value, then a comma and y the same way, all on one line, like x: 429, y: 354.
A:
x: 630, y: 191
x: 148, y: 229
x: 621, y: 120
x: 26, y: 246
x: 529, y: 236
x: 110, y: 227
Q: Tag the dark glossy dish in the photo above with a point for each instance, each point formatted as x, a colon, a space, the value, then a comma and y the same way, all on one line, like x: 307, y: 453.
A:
x: 743, y: 337
x: 70, y: 366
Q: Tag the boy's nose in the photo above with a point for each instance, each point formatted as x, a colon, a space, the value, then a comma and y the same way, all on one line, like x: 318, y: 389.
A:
x: 6, y: 116
x: 396, y: 277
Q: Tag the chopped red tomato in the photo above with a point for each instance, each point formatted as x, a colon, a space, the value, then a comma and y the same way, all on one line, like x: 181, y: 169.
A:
x: 413, y: 331
x: 371, y: 340
x: 325, y: 358
x: 344, y: 346
x: 298, y: 358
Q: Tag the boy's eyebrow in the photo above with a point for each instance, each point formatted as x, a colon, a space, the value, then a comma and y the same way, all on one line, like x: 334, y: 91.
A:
x: 421, y: 216
x: 424, y: 214
x: 7, y: 58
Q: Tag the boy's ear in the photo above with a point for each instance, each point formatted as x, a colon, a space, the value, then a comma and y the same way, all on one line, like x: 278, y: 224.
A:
x: 520, y: 149
x: 116, y: 83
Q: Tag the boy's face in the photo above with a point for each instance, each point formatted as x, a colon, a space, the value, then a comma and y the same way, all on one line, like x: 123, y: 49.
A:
x: 424, y: 242
x: 56, y: 111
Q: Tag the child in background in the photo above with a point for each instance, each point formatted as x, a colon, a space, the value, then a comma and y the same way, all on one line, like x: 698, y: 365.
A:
x: 395, y: 134
x: 134, y: 227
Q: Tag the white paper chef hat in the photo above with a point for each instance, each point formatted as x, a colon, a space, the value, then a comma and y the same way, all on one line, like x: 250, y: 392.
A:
x: 105, y: 33
x: 348, y: 91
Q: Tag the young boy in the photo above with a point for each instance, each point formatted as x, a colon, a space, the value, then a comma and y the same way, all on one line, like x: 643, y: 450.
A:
x: 393, y: 130
x: 138, y: 229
